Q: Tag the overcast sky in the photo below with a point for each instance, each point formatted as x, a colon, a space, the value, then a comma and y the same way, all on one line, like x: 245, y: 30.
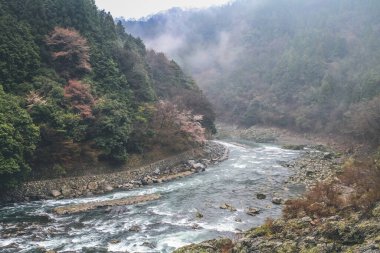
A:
x: 142, y: 8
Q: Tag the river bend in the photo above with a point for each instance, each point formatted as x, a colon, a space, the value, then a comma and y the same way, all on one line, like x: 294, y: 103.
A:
x: 165, y: 224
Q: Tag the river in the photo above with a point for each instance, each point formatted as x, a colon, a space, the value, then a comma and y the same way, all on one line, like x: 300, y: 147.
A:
x: 165, y: 224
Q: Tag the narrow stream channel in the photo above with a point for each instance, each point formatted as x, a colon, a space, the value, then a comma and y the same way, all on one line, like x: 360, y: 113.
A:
x: 165, y: 224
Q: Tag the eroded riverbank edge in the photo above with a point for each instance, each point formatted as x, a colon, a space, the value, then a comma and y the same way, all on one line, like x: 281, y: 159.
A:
x: 321, y: 161
x: 181, y: 165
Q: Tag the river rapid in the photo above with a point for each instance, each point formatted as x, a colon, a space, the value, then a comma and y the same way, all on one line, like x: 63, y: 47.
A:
x: 164, y: 224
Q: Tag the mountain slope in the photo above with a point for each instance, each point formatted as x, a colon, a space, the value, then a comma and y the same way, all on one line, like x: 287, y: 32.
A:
x: 85, y: 92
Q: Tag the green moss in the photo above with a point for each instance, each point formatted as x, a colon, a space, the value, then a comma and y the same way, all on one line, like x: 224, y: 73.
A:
x: 350, y: 250
x: 369, y: 227
x: 212, y: 246
x: 193, y: 249
x: 287, y: 247
x: 263, y: 230
x: 376, y: 210
x: 311, y: 250
x: 295, y: 224
x: 293, y: 147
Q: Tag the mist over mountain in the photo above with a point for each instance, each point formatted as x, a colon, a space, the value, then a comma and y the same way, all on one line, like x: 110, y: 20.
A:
x: 306, y: 65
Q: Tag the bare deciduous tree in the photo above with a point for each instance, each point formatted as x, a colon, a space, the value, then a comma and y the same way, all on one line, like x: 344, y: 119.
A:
x: 80, y: 98
x: 69, y: 50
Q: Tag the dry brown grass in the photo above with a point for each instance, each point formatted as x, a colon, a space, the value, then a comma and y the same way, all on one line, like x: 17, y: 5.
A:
x: 227, y: 248
x: 322, y: 200
x: 272, y: 226
x: 328, y: 198
x: 364, y: 177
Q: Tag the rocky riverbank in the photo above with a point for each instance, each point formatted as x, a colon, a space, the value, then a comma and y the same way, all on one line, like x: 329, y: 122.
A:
x: 319, y: 161
x: 314, y: 166
x: 286, y: 137
x: 347, y: 229
x: 181, y: 165
x: 356, y: 233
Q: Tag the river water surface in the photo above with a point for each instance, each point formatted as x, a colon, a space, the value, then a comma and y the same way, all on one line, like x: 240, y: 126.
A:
x: 165, y: 224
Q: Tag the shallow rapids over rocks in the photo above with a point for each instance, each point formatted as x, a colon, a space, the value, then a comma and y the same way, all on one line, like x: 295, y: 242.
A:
x: 187, y: 212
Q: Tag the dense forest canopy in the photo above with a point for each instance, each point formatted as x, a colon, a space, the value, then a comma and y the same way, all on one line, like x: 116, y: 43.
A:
x: 313, y: 66
x: 75, y: 89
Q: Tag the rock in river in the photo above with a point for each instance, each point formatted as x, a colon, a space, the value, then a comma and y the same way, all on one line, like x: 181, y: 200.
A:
x: 277, y: 201
x: 228, y: 207
x: 83, y: 207
x: 252, y: 211
x: 135, y: 228
x: 261, y: 196
x: 198, y: 215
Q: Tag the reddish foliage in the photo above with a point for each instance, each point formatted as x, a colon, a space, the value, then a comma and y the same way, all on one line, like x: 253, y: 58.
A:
x: 69, y: 48
x: 190, y: 125
x: 80, y: 98
x: 174, y: 127
x: 322, y: 200
x: 364, y: 177
x: 358, y: 188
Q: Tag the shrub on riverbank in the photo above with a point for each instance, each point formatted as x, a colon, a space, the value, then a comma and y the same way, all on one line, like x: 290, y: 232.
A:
x: 337, y: 215
x: 357, y: 188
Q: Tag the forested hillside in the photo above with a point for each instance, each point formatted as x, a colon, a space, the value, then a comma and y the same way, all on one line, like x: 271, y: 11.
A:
x: 312, y: 66
x: 76, y: 90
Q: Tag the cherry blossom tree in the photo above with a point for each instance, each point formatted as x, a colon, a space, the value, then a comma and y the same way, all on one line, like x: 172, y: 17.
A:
x: 80, y: 98
x: 69, y: 50
x: 172, y: 124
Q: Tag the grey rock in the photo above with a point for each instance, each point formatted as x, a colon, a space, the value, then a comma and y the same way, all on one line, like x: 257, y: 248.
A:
x: 191, y: 162
x: 261, y: 196
x: 306, y: 219
x: 117, y: 210
x: 108, y: 188
x: 92, y: 186
x: 66, y: 191
x: 277, y: 201
x: 199, y: 166
x: 252, y: 211
x: 150, y: 245
x: 198, y: 215
x: 228, y: 207
x: 135, y: 228
x: 55, y: 193
x: 195, y: 226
